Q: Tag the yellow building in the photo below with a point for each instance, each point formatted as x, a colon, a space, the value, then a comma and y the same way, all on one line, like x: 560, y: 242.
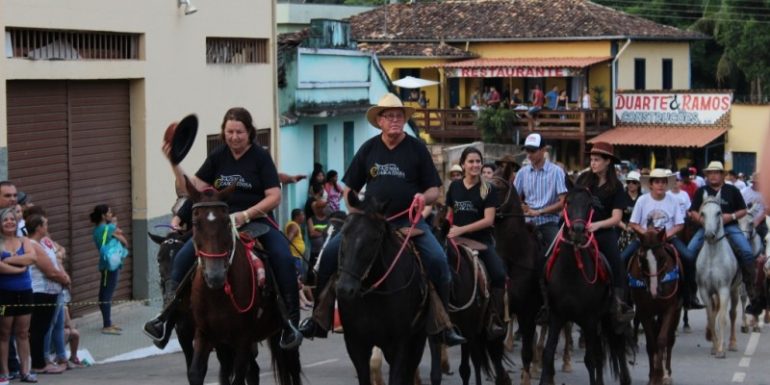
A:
x: 87, y: 88
x: 750, y: 128
x: 570, y: 45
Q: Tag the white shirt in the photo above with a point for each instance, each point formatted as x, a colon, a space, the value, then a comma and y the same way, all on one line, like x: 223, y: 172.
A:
x: 753, y: 198
x: 739, y: 184
x: 683, y: 199
x: 586, y: 105
x: 699, y: 181
x: 664, y: 213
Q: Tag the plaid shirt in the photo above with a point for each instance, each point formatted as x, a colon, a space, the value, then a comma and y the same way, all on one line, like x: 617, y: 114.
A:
x: 539, y: 188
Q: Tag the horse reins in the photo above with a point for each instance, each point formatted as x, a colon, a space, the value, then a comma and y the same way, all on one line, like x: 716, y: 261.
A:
x: 577, y: 247
x: 202, y: 254
x: 657, y: 273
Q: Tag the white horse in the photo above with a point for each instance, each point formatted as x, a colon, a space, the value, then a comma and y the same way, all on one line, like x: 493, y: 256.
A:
x: 746, y: 223
x: 718, y: 277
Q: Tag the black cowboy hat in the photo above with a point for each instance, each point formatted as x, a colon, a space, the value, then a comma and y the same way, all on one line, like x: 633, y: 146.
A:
x: 183, y: 139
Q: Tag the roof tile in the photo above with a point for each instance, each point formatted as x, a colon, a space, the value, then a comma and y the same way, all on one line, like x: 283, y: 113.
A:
x: 659, y: 136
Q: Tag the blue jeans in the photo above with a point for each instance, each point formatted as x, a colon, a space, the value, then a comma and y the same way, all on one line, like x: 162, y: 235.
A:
x: 280, y: 259
x: 107, y: 285
x: 678, y: 244
x: 547, y: 233
x: 56, y: 333
x: 431, y: 253
x: 494, y: 265
x: 737, y: 240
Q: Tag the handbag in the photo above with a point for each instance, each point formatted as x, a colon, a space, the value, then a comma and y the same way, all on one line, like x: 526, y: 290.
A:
x: 112, y: 253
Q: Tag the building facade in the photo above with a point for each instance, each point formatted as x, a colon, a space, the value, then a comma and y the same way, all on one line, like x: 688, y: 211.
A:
x: 87, y: 89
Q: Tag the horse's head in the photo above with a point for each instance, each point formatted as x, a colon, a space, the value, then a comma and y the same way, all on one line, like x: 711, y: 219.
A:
x: 441, y: 223
x: 510, y: 203
x: 578, y: 213
x: 363, y: 236
x: 169, y: 246
x: 213, y: 233
x: 652, y: 255
x: 711, y: 212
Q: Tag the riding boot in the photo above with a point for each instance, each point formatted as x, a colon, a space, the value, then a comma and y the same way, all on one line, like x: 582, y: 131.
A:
x: 749, y: 275
x: 622, y: 314
x: 291, y: 338
x: 691, y: 292
x: 318, y: 324
x: 450, y: 335
x: 496, y: 327
x: 159, y: 328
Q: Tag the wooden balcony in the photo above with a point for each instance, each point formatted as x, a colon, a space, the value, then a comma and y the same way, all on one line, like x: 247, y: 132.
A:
x: 448, y: 124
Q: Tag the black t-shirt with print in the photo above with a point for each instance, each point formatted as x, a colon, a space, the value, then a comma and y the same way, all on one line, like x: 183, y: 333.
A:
x: 468, y: 206
x: 253, y: 173
x: 610, y: 199
x: 392, y: 176
x: 732, y: 200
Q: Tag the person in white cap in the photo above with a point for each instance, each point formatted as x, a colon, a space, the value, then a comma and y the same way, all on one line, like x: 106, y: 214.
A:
x: 396, y: 168
x: 542, y: 188
x: 662, y: 211
x: 733, y: 208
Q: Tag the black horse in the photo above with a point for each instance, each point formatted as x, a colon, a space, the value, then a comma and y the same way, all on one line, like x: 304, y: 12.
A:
x: 578, y: 289
x: 469, y: 311
x: 389, y: 315
x: 517, y: 245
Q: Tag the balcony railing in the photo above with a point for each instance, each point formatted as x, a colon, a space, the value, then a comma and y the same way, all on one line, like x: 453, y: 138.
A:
x: 568, y: 124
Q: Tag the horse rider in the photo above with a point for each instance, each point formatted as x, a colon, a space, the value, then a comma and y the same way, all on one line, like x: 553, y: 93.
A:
x: 542, y: 188
x: 733, y: 208
x: 753, y: 197
x: 603, y: 183
x: 239, y: 161
x: 398, y: 169
x: 471, y: 204
x: 661, y: 211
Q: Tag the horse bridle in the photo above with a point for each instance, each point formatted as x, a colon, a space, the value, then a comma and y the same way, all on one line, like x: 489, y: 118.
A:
x: 568, y: 223
x: 499, y: 214
x: 724, y: 233
x: 202, y: 254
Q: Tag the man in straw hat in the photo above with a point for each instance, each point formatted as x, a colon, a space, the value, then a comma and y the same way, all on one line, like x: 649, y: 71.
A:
x: 733, y: 208
x: 662, y: 211
x: 398, y: 169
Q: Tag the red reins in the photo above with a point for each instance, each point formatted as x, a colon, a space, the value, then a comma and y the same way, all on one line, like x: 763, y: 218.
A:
x: 415, y: 214
x: 577, y: 248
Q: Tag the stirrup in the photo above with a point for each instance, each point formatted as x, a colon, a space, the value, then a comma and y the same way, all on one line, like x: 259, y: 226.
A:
x: 311, y: 329
x: 452, y: 336
x: 151, y: 326
x: 295, y: 334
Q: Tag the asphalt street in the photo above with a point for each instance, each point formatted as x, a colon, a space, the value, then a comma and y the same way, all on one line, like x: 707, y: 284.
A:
x: 325, y: 362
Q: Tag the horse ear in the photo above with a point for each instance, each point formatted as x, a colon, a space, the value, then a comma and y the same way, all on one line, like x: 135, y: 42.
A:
x: 195, y: 195
x: 156, y: 238
x: 226, y: 192
x: 353, y: 200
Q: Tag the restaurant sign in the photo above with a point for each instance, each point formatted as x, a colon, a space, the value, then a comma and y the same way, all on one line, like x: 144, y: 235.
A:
x: 674, y: 109
x: 510, y: 72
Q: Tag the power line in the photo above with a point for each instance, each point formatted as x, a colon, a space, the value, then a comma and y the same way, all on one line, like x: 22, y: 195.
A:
x: 670, y: 3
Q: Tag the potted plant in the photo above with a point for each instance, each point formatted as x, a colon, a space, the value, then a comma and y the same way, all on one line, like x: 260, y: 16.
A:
x: 495, y: 124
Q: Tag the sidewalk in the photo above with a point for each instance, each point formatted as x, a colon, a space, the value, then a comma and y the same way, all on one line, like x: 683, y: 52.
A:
x: 131, y: 344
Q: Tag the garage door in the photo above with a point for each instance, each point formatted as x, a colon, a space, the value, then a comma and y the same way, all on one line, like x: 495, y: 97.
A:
x: 69, y: 147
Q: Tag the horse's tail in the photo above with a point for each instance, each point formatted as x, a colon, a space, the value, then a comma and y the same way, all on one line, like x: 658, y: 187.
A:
x: 492, y: 351
x: 287, y: 369
x: 621, y: 347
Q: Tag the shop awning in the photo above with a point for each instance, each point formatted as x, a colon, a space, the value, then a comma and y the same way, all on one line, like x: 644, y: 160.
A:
x: 660, y: 136
x: 520, y: 67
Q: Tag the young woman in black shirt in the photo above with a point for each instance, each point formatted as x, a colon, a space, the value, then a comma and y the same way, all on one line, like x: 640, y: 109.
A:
x: 471, y: 204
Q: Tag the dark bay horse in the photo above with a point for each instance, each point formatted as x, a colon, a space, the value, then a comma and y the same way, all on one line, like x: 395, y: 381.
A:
x: 578, y: 289
x: 229, y: 305
x: 382, y: 295
x: 654, y: 277
x: 469, y: 311
x: 517, y: 245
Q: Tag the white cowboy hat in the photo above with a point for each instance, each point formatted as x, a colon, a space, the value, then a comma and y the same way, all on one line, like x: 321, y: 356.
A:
x: 633, y: 176
x: 455, y: 168
x: 659, y: 173
x: 389, y: 101
x: 715, y: 165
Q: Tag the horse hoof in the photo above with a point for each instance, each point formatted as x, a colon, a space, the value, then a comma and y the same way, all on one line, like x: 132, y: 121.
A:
x: 687, y: 329
x: 566, y: 368
x: 720, y: 355
x: 733, y: 347
x: 668, y: 381
x: 708, y: 335
x: 744, y: 329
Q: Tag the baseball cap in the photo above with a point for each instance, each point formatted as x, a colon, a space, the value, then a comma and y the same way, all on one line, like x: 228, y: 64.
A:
x: 533, y: 142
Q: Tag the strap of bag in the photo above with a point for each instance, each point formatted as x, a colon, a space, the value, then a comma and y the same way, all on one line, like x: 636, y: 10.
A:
x: 104, y: 236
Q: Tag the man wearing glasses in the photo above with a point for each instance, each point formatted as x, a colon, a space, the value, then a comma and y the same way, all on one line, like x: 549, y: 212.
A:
x: 541, y: 186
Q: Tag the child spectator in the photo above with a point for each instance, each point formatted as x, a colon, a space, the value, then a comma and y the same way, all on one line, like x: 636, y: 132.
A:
x: 293, y: 231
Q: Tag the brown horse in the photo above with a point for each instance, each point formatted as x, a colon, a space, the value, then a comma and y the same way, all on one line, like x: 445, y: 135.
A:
x: 230, y: 308
x: 654, y: 278
x: 517, y: 246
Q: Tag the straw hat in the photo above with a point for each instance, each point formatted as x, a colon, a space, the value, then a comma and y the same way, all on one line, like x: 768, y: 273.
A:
x: 455, y: 168
x: 715, y: 165
x: 389, y: 101
x: 659, y: 173
x: 605, y: 149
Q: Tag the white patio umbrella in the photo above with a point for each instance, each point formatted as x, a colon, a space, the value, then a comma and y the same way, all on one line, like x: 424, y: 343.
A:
x: 413, y: 82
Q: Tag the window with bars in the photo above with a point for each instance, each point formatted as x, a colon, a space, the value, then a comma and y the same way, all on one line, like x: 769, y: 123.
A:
x: 47, y: 44
x: 224, y: 50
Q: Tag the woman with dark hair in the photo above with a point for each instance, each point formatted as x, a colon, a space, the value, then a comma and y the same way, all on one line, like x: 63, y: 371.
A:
x: 16, y: 254
x: 488, y: 170
x: 48, y: 280
x: 471, y: 204
x: 248, y: 167
x: 105, y: 229
x: 602, y: 180
x: 333, y: 191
